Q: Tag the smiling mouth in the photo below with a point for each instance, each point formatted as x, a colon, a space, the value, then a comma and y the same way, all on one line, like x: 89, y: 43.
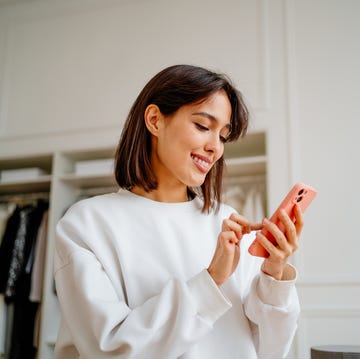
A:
x: 200, y: 163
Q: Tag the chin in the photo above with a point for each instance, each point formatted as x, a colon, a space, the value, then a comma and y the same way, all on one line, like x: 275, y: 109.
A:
x: 195, y: 183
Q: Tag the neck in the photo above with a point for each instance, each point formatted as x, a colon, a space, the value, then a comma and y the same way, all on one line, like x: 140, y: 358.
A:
x: 162, y: 195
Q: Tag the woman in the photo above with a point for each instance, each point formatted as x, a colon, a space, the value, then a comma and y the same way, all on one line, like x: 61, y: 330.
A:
x: 160, y: 269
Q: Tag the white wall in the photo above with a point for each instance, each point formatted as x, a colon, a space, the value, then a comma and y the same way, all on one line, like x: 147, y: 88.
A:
x: 327, y: 55
x: 75, y: 66
x: 69, y: 71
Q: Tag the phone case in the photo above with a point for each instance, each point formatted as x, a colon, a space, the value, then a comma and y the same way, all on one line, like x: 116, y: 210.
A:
x: 301, y: 194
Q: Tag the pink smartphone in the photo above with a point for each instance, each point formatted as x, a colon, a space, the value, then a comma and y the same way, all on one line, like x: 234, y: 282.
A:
x: 301, y: 194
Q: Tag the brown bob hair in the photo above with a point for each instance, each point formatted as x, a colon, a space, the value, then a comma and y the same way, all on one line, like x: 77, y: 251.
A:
x: 170, y: 89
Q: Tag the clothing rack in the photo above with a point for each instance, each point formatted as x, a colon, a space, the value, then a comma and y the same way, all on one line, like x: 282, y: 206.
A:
x: 247, y: 194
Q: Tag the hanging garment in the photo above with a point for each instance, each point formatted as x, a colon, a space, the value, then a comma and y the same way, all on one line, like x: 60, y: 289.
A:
x: 24, y: 243
x: 21, y: 250
x: 16, y: 262
x: 5, y: 212
x: 235, y: 197
x: 253, y: 207
x: 7, y: 245
x: 37, y: 273
x: 247, y: 197
x: 22, y: 336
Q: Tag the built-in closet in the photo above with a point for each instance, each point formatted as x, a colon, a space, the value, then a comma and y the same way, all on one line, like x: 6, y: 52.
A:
x: 24, y: 212
x: 61, y: 178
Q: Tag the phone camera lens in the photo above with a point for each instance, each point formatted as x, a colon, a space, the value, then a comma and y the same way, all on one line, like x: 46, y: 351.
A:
x: 299, y: 199
x: 301, y: 192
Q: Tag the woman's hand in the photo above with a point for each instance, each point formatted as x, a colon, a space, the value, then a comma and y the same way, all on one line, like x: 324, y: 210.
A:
x: 227, y: 253
x: 276, y: 265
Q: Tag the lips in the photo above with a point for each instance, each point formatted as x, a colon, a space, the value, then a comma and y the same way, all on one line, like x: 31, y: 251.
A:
x: 202, y: 163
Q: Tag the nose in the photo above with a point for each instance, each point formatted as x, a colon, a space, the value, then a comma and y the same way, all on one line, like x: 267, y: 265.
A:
x: 215, y: 146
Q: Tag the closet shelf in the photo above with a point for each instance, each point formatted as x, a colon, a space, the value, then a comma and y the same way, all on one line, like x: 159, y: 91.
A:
x: 29, y: 186
x: 255, y: 165
x: 88, y: 181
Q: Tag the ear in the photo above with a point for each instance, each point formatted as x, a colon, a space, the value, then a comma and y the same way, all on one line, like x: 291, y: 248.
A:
x: 153, y: 119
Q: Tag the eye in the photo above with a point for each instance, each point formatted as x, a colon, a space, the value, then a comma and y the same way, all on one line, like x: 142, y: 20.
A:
x: 201, y: 127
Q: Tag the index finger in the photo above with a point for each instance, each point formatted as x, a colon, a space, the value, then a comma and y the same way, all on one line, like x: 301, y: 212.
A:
x: 247, y: 225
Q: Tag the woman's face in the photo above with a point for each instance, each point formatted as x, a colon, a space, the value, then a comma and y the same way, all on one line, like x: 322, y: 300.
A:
x: 190, y: 141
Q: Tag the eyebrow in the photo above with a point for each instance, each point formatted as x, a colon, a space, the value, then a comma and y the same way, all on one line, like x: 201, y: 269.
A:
x: 210, y: 117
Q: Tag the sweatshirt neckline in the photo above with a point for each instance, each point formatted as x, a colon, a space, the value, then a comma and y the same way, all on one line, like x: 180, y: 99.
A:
x: 191, y: 204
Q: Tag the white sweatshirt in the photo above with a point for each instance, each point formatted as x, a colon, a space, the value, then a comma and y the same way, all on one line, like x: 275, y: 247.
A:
x: 132, y: 283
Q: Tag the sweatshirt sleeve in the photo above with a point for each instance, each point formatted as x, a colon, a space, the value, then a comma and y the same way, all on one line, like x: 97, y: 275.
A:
x: 102, y: 325
x: 273, y: 308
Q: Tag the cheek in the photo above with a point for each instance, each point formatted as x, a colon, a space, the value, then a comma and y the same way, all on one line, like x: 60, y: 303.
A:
x: 182, y: 140
x: 172, y: 150
x: 220, y: 152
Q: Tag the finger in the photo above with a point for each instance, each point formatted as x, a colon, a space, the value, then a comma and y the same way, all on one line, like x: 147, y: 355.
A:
x: 299, y: 219
x: 226, y: 257
x: 270, y: 247
x: 228, y: 239
x: 230, y: 225
x: 279, y: 236
x: 290, y: 229
x: 247, y: 225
